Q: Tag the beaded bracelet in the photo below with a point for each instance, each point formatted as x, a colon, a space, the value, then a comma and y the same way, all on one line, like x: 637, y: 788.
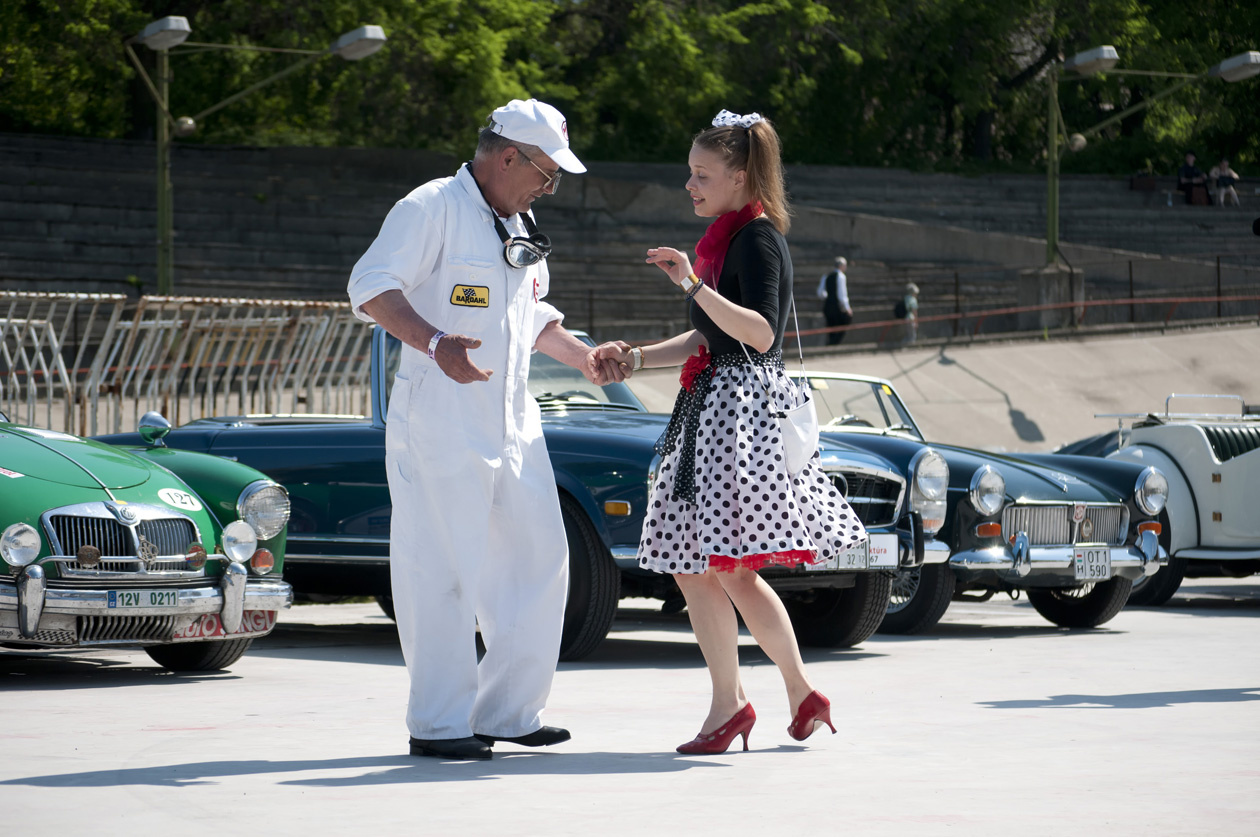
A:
x: 695, y: 289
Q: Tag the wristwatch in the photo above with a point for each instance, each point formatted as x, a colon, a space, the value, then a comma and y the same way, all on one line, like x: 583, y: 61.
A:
x: 689, y: 282
x: 636, y: 359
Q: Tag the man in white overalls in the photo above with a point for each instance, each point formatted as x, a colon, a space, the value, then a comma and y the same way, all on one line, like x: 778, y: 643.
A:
x: 458, y: 274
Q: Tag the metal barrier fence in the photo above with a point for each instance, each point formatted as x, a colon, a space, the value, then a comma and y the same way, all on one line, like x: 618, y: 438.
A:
x: 45, y: 340
x: 84, y: 364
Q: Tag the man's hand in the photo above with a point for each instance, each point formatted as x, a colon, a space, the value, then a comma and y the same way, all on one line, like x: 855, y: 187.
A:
x: 452, y: 358
x: 605, y: 363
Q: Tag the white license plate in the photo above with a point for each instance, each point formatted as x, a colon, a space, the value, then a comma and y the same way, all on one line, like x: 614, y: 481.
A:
x: 128, y: 599
x: 1092, y: 563
x: 857, y: 558
x: 884, y: 551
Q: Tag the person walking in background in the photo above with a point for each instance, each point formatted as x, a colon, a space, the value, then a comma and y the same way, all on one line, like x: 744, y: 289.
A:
x: 722, y: 503
x: 833, y: 289
x: 907, y: 309
x: 458, y: 273
x: 1222, y: 178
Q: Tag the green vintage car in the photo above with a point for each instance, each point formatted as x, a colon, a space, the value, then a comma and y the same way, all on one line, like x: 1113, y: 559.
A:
x: 177, y: 552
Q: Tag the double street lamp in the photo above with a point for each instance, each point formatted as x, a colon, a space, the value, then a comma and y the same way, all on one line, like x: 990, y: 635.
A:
x: 1104, y: 59
x: 162, y: 36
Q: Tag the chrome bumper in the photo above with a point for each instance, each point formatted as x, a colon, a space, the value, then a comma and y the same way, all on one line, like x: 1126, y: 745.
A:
x: 935, y: 552
x: 1024, y: 561
x: 28, y: 605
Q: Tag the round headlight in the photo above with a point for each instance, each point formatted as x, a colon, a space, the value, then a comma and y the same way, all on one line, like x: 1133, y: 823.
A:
x: 20, y: 544
x: 931, y: 474
x: 988, y: 490
x: 239, y: 541
x: 264, y: 506
x: 1151, y: 493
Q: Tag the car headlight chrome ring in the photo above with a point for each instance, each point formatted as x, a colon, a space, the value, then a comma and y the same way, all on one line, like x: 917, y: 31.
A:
x: 988, y: 490
x: 264, y: 505
x: 1151, y: 492
x: 239, y: 541
x: 930, y: 474
x: 20, y: 544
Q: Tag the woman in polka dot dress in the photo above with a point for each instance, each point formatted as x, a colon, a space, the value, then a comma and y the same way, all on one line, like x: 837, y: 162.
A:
x: 723, y: 504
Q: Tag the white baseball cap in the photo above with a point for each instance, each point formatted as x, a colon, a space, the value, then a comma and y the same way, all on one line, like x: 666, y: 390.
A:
x: 537, y: 123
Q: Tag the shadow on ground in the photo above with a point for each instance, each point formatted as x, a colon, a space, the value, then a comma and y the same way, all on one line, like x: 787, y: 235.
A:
x: 362, y: 771
x: 1140, y: 700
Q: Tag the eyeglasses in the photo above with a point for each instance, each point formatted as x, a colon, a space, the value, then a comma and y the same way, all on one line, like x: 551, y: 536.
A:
x: 553, y: 180
x: 523, y: 251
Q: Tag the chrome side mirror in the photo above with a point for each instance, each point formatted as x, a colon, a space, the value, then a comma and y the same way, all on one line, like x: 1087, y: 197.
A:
x: 153, y: 428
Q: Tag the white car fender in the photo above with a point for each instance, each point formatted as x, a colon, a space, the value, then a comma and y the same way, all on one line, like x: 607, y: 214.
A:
x: 1182, y: 515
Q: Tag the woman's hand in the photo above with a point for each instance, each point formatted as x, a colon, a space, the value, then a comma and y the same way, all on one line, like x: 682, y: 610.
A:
x: 674, y: 262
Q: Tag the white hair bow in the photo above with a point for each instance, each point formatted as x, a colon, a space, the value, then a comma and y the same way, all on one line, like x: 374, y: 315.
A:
x: 725, y: 119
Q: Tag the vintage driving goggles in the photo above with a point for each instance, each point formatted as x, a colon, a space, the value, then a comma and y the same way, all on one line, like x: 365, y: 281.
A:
x: 523, y: 251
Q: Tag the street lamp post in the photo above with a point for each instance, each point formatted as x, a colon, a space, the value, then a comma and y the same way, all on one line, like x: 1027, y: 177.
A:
x: 1103, y: 59
x: 162, y: 36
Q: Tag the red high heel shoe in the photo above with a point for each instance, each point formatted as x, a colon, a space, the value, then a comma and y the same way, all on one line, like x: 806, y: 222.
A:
x: 710, y: 744
x: 814, y: 710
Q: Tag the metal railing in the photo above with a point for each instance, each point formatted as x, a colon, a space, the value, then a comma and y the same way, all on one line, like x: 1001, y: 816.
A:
x: 45, y: 340
x: 81, y: 363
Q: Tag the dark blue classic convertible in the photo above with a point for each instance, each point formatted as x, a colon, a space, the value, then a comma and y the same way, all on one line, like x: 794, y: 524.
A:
x: 601, y: 445
x: 1073, y: 532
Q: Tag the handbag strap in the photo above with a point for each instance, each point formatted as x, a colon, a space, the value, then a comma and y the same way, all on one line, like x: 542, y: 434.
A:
x: 799, y: 351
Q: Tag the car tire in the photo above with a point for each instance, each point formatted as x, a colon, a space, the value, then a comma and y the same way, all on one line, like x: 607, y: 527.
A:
x: 594, y: 585
x: 1081, y: 607
x: 1154, y: 590
x: 840, y: 618
x: 920, y: 597
x: 199, y: 656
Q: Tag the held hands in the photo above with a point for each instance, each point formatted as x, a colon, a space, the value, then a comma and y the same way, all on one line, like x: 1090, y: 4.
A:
x: 607, y: 363
x: 674, y: 262
x: 452, y: 358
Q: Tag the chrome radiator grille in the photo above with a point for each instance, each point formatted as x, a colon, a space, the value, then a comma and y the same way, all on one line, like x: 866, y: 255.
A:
x: 172, y: 535
x: 873, y: 498
x: 1052, y: 525
x: 106, y: 534
x: 125, y: 628
x: 119, y: 544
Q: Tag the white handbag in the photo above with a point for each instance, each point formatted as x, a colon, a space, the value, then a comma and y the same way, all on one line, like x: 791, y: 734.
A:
x: 799, y: 425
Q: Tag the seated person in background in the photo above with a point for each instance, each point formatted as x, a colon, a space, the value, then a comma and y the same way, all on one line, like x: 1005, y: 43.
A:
x: 1189, y: 176
x: 1222, y: 179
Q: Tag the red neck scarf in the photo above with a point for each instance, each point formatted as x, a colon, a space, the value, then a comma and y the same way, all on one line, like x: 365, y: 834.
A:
x: 711, y: 248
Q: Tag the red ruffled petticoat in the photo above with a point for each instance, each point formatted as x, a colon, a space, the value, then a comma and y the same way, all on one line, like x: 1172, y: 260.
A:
x: 727, y: 564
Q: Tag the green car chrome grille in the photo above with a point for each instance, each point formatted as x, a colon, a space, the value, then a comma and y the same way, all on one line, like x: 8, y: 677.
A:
x: 119, y: 547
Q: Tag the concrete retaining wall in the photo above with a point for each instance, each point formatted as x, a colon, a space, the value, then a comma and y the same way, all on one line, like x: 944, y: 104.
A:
x: 290, y: 222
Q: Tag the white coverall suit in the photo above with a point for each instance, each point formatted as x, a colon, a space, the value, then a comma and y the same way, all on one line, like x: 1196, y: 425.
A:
x: 476, y: 536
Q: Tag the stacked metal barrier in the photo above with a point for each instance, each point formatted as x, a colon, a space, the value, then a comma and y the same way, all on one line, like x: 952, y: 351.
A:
x: 93, y: 363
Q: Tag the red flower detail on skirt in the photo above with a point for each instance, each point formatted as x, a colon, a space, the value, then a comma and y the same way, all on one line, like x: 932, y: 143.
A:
x: 790, y: 558
x: 695, y: 364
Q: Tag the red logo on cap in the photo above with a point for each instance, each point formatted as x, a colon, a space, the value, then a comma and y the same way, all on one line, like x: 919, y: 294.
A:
x: 564, y: 129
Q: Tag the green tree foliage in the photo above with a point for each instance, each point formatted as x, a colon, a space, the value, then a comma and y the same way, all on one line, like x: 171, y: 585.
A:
x: 929, y: 84
x: 61, y: 66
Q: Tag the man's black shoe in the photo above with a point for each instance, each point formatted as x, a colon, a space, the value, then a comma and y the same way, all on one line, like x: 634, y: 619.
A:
x: 456, y: 749
x: 544, y: 737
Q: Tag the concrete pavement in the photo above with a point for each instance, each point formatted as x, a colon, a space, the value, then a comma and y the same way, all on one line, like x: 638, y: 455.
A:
x: 996, y: 723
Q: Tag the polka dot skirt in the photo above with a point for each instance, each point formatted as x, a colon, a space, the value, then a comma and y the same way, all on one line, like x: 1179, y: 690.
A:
x: 749, y: 512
